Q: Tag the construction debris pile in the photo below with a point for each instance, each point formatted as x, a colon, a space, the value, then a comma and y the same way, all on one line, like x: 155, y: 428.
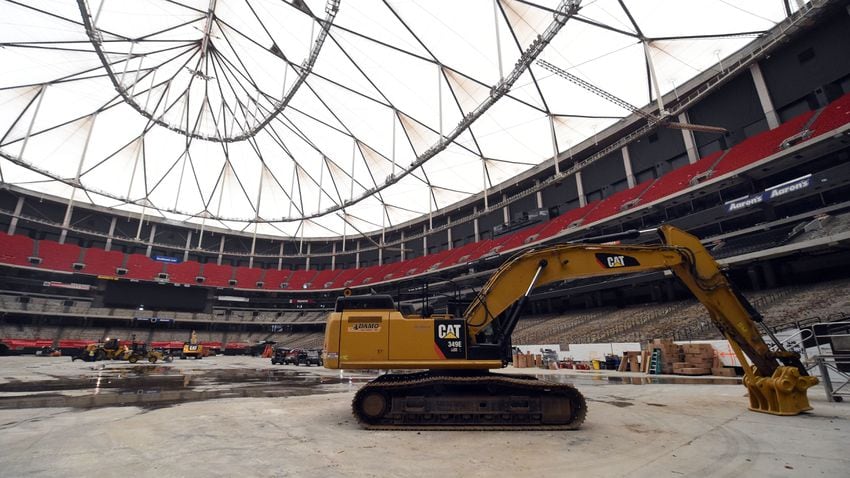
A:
x: 663, y: 356
x: 660, y: 356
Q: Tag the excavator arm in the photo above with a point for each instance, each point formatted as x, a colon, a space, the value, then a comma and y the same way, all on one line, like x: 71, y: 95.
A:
x: 681, y: 253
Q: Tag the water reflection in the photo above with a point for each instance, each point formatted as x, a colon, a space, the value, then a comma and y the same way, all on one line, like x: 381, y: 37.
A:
x: 157, y: 386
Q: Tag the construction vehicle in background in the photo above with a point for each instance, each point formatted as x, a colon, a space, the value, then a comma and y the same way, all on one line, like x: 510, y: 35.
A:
x: 141, y: 352
x: 457, y: 389
x: 108, y: 349
x: 192, y: 348
x: 279, y: 356
x: 113, y: 349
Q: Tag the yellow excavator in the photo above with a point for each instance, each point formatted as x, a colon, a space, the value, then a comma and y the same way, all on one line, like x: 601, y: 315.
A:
x: 456, y: 390
x: 193, y: 348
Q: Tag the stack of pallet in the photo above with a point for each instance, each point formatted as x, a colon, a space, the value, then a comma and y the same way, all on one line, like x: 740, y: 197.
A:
x: 631, y: 362
x: 670, y: 354
x: 698, y: 360
x: 527, y: 360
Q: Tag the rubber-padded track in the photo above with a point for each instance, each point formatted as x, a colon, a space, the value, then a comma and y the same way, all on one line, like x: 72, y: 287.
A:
x: 396, y: 391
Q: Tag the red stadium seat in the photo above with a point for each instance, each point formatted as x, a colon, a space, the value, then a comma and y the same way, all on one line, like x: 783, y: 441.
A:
x: 433, y: 261
x: 274, y: 278
x: 142, y: 267
x: 835, y: 114
x: 614, y: 203
x: 518, y: 238
x: 345, y: 277
x: 247, y: 277
x: 216, y: 275
x: 15, y: 249
x: 101, y: 262
x: 184, y: 272
x: 458, y: 255
x: 58, y: 257
x: 299, y: 278
x: 760, y: 146
x: 483, y: 248
x: 323, y: 279
x: 678, y: 179
x: 367, y: 275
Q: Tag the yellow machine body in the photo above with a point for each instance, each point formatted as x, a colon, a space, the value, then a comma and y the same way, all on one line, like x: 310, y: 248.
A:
x: 385, y: 339
x: 365, y: 333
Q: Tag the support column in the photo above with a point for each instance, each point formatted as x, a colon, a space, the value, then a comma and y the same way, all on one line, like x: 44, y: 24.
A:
x: 150, y: 239
x: 111, y: 233
x: 476, y: 229
x: 582, y: 201
x: 220, y: 250
x: 333, y: 256
x: 253, y: 246
x: 764, y: 96
x: 627, y: 165
x: 201, y: 233
x: 449, y: 237
x: 424, y: 241
x: 307, y: 262
x: 506, y: 212
x: 188, y: 245
x: 19, y: 206
x: 689, y: 138
x: 538, y: 195
x: 357, y: 256
x: 402, y: 246
x: 659, y: 100
x: 380, y: 256
x: 554, y: 145
x: 280, y: 257
x: 484, y: 183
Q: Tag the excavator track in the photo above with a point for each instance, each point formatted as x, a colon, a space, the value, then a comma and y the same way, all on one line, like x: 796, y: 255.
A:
x: 438, y: 401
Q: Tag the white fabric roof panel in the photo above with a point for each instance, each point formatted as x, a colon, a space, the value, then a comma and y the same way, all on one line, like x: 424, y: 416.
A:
x: 303, y: 117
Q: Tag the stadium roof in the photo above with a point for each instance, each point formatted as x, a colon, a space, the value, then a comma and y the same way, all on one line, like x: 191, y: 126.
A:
x: 311, y: 118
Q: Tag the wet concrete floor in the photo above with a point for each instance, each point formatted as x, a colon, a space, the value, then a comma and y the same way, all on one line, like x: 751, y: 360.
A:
x: 150, y: 386
x: 242, y: 416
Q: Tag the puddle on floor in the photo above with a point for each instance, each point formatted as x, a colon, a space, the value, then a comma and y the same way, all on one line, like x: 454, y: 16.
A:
x: 153, y: 386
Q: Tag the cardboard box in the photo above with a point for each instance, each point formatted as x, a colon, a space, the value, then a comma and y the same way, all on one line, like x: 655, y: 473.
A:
x: 723, y: 372
x: 693, y: 371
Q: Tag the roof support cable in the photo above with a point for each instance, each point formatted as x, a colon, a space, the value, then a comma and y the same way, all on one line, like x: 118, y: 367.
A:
x: 96, y: 39
x: 66, y: 222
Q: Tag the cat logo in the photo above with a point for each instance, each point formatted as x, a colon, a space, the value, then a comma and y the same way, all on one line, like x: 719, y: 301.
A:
x: 616, y: 261
x: 613, y: 261
x: 448, y: 331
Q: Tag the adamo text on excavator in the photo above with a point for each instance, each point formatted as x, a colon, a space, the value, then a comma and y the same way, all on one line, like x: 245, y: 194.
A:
x: 453, y: 387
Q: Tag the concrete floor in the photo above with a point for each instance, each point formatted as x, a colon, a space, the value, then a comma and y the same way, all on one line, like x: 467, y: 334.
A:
x: 182, y: 420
